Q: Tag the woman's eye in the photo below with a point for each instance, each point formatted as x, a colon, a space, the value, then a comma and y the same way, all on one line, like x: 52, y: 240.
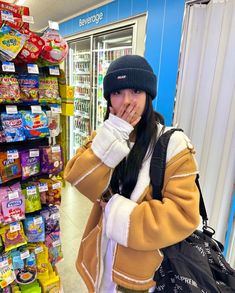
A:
x: 115, y: 93
x: 137, y: 91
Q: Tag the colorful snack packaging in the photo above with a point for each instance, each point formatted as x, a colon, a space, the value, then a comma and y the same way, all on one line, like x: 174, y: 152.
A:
x: 30, y: 162
x: 51, y: 217
x: 12, y: 203
x: 29, y: 88
x: 53, y: 123
x: 9, y: 89
x: 7, y: 274
x: 35, y: 124
x: 51, y: 159
x: 10, y: 167
x: 53, y: 242
x: 34, y: 227
x: 49, y: 90
x: 13, y: 127
x: 17, y: 11
x: 32, y: 47
x: 55, y: 49
x: 13, y: 236
x: 53, y: 194
x: 32, y: 198
x: 11, y: 42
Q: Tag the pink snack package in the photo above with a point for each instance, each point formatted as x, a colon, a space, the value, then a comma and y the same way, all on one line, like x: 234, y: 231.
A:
x: 12, y: 203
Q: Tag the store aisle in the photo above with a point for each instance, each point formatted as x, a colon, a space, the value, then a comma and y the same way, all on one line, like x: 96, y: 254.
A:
x: 74, y: 212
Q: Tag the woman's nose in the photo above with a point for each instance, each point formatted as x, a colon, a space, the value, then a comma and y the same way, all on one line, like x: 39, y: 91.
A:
x: 127, y: 97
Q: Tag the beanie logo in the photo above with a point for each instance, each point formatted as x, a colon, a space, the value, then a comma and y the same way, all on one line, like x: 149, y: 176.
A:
x: 121, y: 77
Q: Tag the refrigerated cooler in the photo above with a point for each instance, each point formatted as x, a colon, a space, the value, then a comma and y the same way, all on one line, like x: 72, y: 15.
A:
x: 89, y: 59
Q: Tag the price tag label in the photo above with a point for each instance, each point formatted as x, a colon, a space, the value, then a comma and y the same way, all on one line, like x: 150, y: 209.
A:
x: 54, y: 70
x: 56, y: 109
x: 56, y: 243
x: 56, y: 185
x: 11, y: 109
x: 31, y: 190
x: 55, y: 149
x: 38, y: 249
x: 55, y: 216
x: 24, y: 254
x: 8, y: 66
x: 37, y: 220
x: 33, y: 68
x: 13, y: 195
x: 3, y: 263
x: 14, y: 227
x: 36, y: 109
x: 7, y: 15
x: 33, y: 153
x: 27, y: 19
x: 43, y: 187
x: 53, y: 25
x: 12, y: 154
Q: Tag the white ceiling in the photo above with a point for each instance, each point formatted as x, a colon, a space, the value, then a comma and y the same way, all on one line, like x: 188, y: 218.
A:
x: 56, y: 10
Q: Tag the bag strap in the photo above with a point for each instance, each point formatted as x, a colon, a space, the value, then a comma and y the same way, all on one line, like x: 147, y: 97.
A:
x: 157, y: 171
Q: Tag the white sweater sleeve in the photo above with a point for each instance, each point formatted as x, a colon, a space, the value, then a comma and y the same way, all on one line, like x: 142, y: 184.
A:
x: 110, y: 143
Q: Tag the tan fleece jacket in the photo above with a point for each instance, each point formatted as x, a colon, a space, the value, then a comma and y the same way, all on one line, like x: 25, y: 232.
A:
x: 140, y: 225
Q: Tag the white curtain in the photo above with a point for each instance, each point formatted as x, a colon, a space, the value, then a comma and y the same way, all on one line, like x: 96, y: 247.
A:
x: 205, y: 101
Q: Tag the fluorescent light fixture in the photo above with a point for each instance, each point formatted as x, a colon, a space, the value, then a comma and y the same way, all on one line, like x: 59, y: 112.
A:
x: 20, y: 2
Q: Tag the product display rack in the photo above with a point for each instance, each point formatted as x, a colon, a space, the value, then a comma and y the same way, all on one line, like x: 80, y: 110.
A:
x: 34, y: 248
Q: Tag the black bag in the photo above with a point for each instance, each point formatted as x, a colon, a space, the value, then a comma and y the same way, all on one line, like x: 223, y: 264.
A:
x: 195, y: 264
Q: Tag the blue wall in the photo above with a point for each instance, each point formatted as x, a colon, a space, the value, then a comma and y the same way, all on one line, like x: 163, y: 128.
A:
x: 163, y: 36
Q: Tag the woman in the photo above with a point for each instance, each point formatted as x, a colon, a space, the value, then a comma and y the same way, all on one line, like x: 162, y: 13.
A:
x: 120, y: 249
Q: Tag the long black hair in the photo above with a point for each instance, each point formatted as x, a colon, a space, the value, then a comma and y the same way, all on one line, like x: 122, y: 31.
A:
x: 125, y: 175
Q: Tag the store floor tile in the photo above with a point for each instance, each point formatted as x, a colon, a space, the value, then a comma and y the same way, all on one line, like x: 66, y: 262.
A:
x: 74, y: 212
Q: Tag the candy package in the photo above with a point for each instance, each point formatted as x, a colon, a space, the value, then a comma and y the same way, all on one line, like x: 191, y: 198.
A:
x: 2, y: 135
x: 34, y: 227
x: 9, y: 89
x: 32, y: 47
x: 7, y: 274
x: 53, y: 242
x: 35, y: 125
x: 16, y: 11
x: 13, y: 236
x: 12, y: 203
x: 55, y: 49
x: 53, y: 123
x: 49, y: 90
x: 32, y: 198
x: 12, y: 125
x: 51, y: 216
x: 51, y: 159
x: 29, y: 88
x: 10, y: 168
x: 30, y: 162
x: 53, y: 194
x: 11, y: 42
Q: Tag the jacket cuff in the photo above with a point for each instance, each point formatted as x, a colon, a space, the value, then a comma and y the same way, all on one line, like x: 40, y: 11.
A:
x: 110, y: 143
x: 117, y: 215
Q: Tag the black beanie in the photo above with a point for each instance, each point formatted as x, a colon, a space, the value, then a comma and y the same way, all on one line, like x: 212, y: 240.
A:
x: 130, y: 72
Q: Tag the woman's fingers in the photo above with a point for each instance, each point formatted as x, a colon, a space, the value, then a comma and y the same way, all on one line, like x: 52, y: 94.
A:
x: 136, y: 121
